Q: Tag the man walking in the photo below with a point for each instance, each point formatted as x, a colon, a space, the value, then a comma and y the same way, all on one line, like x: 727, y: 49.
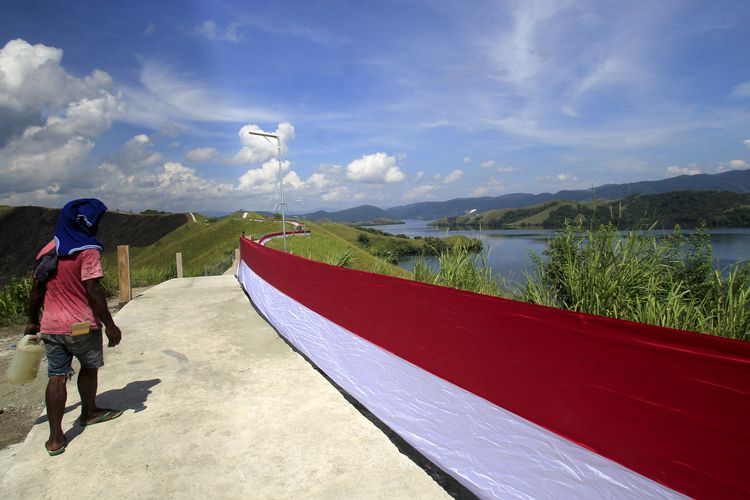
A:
x: 67, y: 285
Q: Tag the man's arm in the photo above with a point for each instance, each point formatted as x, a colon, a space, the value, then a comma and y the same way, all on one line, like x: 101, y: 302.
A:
x: 98, y: 303
x: 36, y: 300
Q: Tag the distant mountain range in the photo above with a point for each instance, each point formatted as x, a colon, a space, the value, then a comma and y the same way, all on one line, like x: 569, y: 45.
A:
x: 360, y: 214
x: 737, y: 181
x: 689, y: 209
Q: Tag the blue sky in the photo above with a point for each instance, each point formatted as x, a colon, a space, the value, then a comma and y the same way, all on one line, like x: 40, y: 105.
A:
x: 387, y: 103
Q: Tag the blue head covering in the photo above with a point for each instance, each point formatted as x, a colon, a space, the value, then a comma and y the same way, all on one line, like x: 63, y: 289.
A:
x: 74, y: 227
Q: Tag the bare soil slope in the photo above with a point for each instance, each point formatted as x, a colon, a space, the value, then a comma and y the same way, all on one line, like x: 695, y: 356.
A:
x: 24, y: 230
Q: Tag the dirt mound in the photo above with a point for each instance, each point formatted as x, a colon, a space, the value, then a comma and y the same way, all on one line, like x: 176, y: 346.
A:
x: 24, y: 230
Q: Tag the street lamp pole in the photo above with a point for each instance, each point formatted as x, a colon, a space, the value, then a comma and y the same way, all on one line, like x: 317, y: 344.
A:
x: 281, y: 179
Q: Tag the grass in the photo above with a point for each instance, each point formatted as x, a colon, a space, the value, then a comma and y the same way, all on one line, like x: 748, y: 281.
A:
x: 14, y: 301
x: 538, y: 218
x: 207, y: 248
x: 381, y: 245
x: 329, y: 244
x: 461, y: 269
x: 669, y: 282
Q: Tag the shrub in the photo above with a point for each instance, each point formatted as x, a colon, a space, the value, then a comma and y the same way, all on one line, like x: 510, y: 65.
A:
x: 341, y: 259
x: 640, y: 278
x: 363, y: 240
x: 459, y: 268
x: 14, y: 301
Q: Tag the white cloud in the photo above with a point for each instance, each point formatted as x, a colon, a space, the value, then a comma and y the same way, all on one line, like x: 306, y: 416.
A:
x: 19, y: 60
x: 210, y: 30
x: 318, y: 181
x: 165, y: 96
x: 34, y: 87
x: 419, y: 192
x: 257, y: 149
x: 733, y: 165
x: 170, y: 184
x: 292, y: 181
x: 419, y: 175
x: 676, y: 170
x: 516, y: 54
x: 453, y: 176
x: 32, y: 164
x: 86, y: 117
x: 741, y: 90
x: 141, y: 139
x: 487, y: 164
x: 265, y: 178
x: 338, y: 193
x: 467, y: 159
x: 566, y: 177
x: 152, y: 159
x: 201, y: 154
x: 49, y: 119
x: 375, y: 168
x: 506, y: 170
x: 746, y: 142
x: 491, y: 186
x: 563, y: 178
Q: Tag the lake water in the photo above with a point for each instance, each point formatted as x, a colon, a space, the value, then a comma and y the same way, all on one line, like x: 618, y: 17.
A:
x: 508, y: 249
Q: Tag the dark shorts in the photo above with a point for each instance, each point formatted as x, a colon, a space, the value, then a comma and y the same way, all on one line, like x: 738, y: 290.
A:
x: 60, y: 350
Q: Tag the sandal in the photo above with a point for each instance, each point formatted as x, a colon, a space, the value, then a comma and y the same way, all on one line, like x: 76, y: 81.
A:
x: 106, y: 416
x: 59, y: 451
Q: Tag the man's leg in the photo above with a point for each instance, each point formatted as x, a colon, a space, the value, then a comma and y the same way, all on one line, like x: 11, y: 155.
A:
x: 87, y: 385
x: 88, y: 380
x: 92, y: 358
x: 55, y: 397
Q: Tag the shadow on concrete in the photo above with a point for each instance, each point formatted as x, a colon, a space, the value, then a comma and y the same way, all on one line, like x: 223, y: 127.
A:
x: 445, y: 480
x: 131, y: 397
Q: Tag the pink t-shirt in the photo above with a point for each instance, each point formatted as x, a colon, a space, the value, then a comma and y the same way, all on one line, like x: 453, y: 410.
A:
x: 65, y: 301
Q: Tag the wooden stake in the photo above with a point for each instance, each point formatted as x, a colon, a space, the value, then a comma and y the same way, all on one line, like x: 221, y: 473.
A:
x: 123, y: 266
x: 178, y: 256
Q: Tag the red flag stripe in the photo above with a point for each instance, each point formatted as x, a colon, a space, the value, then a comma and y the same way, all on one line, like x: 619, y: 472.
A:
x: 670, y: 405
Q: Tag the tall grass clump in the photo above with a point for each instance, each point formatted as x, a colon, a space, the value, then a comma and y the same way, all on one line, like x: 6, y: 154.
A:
x: 14, y: 301
x: 344, y: 258
x: 459, y: 268
x: 151, y: 275
x: 383, y: 266
x: 669, y: 282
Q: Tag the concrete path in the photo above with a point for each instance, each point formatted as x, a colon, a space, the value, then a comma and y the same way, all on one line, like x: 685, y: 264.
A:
x: 218, y: 406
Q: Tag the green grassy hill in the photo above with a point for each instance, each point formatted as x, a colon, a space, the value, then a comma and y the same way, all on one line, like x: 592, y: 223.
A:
x: 207, y: 247
x: 335, y: 244
x: 535, y: 215
x: 686, y: 208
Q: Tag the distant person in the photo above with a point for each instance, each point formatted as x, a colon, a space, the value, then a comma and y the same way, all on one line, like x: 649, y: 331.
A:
x: 67, y: 284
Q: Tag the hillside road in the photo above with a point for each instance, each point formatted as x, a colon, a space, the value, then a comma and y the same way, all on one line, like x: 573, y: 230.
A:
x: 217, y: 406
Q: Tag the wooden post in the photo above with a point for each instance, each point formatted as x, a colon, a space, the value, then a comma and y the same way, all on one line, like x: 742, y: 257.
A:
x: 123, y: 266
x: 178, y: 256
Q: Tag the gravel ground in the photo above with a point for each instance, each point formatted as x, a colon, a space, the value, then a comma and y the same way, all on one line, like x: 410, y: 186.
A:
x: 20, y: 405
